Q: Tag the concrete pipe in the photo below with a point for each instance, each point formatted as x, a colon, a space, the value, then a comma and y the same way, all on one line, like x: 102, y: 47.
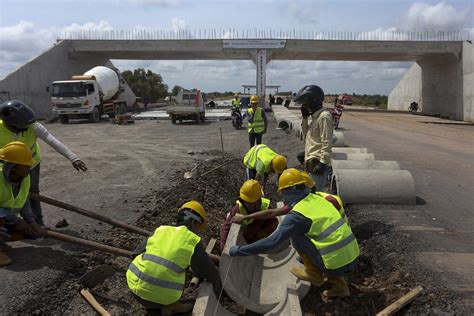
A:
x: 207, y: 303
x: 365, y: 164
x: 351, y: 156
x: 357, y: 186
x: 260, y: 282
x: 338, y: 139
x: 349, y: 150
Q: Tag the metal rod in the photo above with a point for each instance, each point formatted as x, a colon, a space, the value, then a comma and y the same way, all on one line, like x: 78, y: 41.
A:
x: 222, y: 140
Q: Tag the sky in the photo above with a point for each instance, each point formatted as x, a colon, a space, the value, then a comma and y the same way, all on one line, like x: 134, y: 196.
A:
x: 29, y: 27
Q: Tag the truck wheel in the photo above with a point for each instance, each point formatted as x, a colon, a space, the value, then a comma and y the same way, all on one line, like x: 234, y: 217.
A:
x: 197, y: 118
x: 203, y: 117
x: 63, y: 119
x: 94, y: 117
x: 123, y: 108
x: 173, y: 119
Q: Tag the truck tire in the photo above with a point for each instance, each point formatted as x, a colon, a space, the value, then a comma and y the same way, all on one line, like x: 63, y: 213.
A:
x: 123, y: 109
x: 63, y: 119
x: 94, y: 117
x: 173, y: 119
x: 197, y: 118
x: 203, y: 117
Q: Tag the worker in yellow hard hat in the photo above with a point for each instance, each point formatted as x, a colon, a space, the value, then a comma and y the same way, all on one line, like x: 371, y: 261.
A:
x: 157, y: 274
x: 236, y: 101
x: 257, y: 121
x: 321, y: 236
x: 260, y: 161
x: 16, y: 160
x: 250, y: 200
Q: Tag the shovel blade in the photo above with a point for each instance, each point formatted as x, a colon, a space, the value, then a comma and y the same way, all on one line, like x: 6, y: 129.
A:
x: 96, y: 276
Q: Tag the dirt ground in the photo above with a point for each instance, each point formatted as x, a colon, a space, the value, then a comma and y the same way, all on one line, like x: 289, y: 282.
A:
x: 135, y: 175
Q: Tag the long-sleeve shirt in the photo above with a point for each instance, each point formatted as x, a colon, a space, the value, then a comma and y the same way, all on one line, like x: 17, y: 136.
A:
x: 318, y: 136
x: 43, y: 134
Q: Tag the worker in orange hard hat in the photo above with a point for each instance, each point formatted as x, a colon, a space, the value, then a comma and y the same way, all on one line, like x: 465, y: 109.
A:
x: 157, y: 274
x: 257, y: 122
x: 250, y: 200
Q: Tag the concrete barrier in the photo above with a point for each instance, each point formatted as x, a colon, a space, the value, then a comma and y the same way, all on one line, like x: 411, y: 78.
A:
x: 349, y: 150
x: 352, y: 156
x: 365, y: 164
x: 207, y: 303
x: 358, y: 186
x: 338, y: 139
x: 260, y: 282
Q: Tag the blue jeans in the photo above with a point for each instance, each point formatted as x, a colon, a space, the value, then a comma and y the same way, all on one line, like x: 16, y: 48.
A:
x: 321, y: 180
x: 255, y: 139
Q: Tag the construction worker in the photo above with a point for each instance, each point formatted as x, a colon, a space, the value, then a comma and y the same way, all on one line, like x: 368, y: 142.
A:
x: 157, y: 274
x: 15, y: 163
x: 250, y: 201
x: 317, y: 134
x: 257, y: 122
x: 236, y: 101
x: 260, y: 161
x: 18, y: 122
x: 322, y: 238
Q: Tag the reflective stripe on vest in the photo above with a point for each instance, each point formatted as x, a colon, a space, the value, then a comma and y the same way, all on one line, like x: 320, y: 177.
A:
x: 158, y: 275
x: 7, y: 200
x: 28, y: 137
x: 329, y: 232
x: 265, y: 204
x: 257, y: 126
x: 259, y: 152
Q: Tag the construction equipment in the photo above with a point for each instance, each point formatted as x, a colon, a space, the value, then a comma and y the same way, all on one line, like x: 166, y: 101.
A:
x: 191, y: 173
x: 90, y: 280
x: 189, y: 106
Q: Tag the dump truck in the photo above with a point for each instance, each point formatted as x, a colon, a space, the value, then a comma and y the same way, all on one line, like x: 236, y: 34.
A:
x: 189, y: 106
x: 98, y: 91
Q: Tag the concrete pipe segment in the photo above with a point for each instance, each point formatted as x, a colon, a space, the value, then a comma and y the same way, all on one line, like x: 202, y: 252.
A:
x: 261, y: 283
x: 352, y: 156
x: 365, y: 164
x: 349, y: 150
x: 207, y: 303
x: 359, y: 186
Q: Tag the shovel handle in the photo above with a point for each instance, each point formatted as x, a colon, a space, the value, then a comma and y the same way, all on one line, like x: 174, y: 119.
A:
x: 87, y: 295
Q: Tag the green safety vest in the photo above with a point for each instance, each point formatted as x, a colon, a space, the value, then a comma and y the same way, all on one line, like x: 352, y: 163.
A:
x: 158, y: 275
x: 258, y: 125
x: 242, y: 210
x: 329, y: 232
x: 236, y: 103
x: 28, y: 137
x: 7, y: 200
x: 259, y: 152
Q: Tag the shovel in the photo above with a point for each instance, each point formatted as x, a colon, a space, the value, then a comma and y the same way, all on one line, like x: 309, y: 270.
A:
x: 90, y: 280
x: 191, y: 173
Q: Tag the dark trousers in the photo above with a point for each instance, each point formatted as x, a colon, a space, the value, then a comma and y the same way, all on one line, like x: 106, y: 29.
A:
x: 35, y: 204
x: 255, y: 139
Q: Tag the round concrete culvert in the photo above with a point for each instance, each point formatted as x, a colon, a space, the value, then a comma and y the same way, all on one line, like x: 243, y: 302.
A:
x: 374, y: 186
x: 365, y: 164
x: 338, y: 139
x: 284, y: 125
x: 352, y: 156
x: 349, y: 150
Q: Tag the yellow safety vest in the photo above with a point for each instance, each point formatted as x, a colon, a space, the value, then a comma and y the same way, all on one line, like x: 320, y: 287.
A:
x: 28, y: 137
x: 158, y: 275
x: 259, y: 152
x: 258, y: 125
x: 242, y: 210
x: 7, y: 200
x: 236, y: 103
x: 336, y: 201
x: 329, y: 232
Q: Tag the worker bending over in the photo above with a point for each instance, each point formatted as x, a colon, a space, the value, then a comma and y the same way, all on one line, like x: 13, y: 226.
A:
x: 318, y: 232
x: 18, y: 123
x: 250, y: 201
x: 15, y: 163
x: 260, y: 161
x: 257, y: 122
x: 157, y: 275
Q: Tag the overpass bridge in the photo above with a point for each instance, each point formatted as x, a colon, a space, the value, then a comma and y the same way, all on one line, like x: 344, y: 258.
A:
x: 441, y: 79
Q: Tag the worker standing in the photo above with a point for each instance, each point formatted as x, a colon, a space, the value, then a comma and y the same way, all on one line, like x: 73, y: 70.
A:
x: 15, y: 163
x: 18, y: 123
x: 250, y: 201
x: 318, y: 232
x: 317, y: 134
x: 260, y: 161
x: 236, y: 101
x: 257, y: 122
x: 157, y: 275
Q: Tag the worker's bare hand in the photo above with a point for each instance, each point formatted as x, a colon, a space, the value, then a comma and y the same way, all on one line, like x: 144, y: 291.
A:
x: 37, y: 230
x: 79, y: 165
x: 238, y: 218
x: 24, y: 228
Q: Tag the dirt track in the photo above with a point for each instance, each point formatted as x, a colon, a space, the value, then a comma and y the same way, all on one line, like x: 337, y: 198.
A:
x: 131, y: 165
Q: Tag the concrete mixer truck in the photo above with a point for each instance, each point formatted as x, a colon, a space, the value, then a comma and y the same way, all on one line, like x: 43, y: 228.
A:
x: 98, y: 91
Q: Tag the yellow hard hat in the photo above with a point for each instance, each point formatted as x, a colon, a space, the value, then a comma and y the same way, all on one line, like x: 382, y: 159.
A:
x: 279, y: 163
x: 17, y: 153
x: 308, y: 181
x: 236, y: 95
x: 290, y: 177
x: 251, y: 191
x: 198, y: 208
x: 254, y: 99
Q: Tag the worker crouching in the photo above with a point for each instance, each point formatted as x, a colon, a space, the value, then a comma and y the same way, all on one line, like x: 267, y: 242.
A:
x: 157, y: 275
x: 261, y: 160
x: 318, y: 232
x: 250, y: 201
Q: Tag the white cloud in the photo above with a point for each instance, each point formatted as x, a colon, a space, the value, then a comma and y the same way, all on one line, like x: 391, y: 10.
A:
x: 178, y: 24
x: 438, y: 16
x: 159, y: 3
x: 303, y: 12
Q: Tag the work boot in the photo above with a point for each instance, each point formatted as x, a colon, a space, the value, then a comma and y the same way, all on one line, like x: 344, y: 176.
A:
x: 4, y: 259
x: 309, y: 273
x: 176, y: 308
x: 338, y: 288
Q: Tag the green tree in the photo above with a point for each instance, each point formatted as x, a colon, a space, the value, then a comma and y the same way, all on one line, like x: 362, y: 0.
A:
x: 176, y: 89
x: 146, y: 83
